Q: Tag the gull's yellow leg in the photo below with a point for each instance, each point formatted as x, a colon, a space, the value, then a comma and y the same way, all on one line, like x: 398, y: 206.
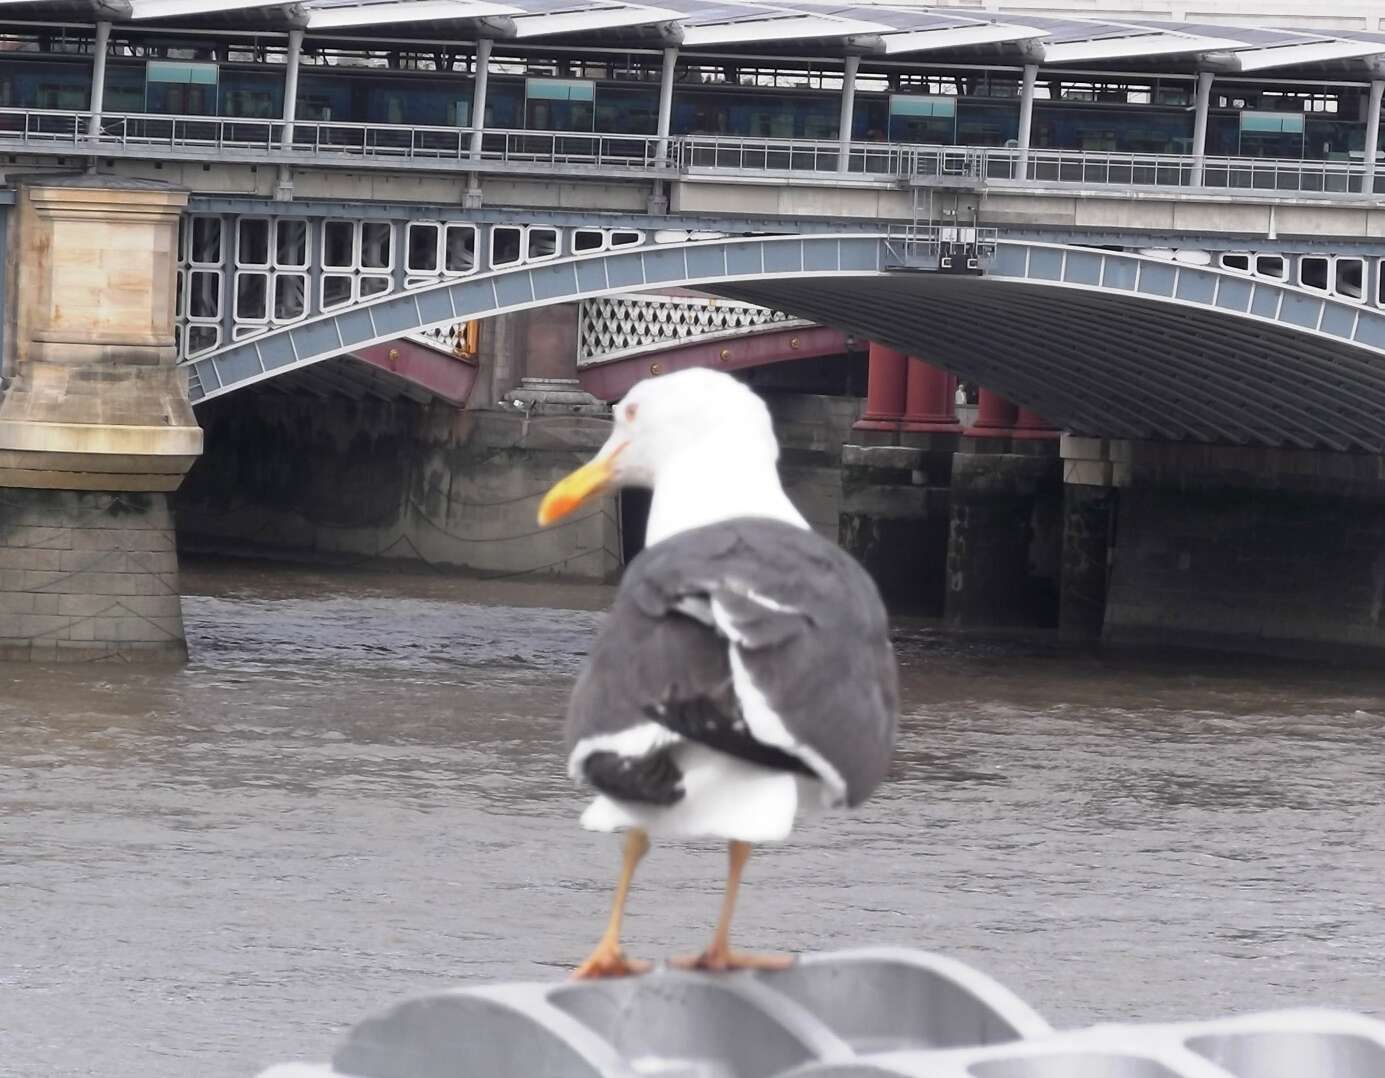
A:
x: 719, y: 957
x: 608, y: 960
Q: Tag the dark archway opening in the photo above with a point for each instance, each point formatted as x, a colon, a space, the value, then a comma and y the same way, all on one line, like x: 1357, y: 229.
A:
x: 633, y: 507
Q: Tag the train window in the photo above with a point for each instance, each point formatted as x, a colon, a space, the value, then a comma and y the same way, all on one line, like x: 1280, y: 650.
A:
x: 291, y: 242
x: 178, y: 88
x: 923, y: 118
x: 422, y: 253
x: 202, y: 339
x: 252, y: 241
x: 290, y: 296
x: 377, y: 245
x: 375, y: 285
x: 204, y: 294
x: 1271, y: 134
x: 1313, y: 272
x: 339, y: 244
x: 459, y: 249
x: 62, y: 96
x: 587, y: 239
x: 559, y: 104
x: 252, y: 297
x: 206, y: 241
x: 124, y: 87
x: 338, y: 290
x: 27, y: 84
x: 1351, y: 278
x: 507, y: 246
x: 543, y: 243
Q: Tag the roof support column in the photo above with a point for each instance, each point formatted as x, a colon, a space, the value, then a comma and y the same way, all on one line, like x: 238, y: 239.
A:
x: 666, y: 74
x: 478, y: 95
x: 1031, y: 75
x: 848, y: 114
x: 1204, y: 100
x: 1372, y: 135
x: 98, y: 76
x: 291, y: 85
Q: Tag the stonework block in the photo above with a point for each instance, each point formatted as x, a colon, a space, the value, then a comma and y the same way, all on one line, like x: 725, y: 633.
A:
x: 88, y: 596
x: 95, y: 402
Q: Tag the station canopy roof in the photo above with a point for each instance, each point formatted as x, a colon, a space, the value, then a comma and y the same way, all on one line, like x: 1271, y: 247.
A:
x: 789, y: 27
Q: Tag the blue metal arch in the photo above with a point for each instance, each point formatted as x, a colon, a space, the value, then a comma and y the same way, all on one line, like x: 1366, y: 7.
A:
x: 1103, y: 342
x: 693, y: 263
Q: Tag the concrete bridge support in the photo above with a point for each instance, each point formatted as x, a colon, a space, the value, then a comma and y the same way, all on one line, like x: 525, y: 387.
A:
x: 1267, y: 551
x: 95, y: 425
x: 894, y: 514
x: 1005, y: 535
x: 1089, y: 515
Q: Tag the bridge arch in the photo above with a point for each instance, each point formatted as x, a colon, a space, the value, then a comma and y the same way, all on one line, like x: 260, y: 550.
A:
x: 1106, y: 343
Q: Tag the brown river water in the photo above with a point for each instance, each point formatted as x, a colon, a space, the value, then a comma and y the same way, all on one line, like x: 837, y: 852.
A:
x: 354, y: 792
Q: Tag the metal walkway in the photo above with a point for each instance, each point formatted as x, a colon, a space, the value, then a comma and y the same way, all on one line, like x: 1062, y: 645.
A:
x: 597, y: 155
x: 870, y: 1013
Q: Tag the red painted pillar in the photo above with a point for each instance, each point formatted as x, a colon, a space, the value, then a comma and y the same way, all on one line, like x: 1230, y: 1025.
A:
x: 1030, y: 424
x: 885, y: 389
x: 930, y: 399
x: 995, y: 416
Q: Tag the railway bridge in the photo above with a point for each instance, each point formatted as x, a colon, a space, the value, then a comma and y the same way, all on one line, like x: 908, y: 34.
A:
x: 1179, y: 351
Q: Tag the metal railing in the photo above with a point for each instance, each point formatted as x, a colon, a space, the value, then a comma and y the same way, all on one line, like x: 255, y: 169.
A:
x: 927, y: 246
x: 305, y: 139
x: 1112, y: 168
x: 982, y: 165
x: 319, y: 140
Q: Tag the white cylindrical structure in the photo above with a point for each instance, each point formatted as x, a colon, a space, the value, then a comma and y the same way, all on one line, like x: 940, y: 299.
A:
x: 1372, y: 135
x: 98, y: 77
x: 665, y: 102
x: 478, y: 95
x: 1204, y: 100
x: 1031, y: 75
x: 848, y: 113
x: 291, y: 85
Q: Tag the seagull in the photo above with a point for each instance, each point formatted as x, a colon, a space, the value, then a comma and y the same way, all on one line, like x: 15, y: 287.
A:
x: 744, y: 673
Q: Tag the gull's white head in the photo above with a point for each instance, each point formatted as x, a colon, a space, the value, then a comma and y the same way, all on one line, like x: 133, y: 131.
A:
x: 698, y: 430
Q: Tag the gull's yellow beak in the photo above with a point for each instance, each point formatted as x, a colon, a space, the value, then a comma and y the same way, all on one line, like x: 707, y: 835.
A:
x: 593, y: 478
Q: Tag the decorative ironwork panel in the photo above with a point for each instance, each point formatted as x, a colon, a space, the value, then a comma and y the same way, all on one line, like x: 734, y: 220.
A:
x: 613, y: 327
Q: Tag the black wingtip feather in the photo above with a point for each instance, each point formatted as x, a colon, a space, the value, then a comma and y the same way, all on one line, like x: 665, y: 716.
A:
x: 653, y: 779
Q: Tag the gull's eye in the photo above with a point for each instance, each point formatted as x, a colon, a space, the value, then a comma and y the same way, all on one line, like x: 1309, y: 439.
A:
x: 631, y: 410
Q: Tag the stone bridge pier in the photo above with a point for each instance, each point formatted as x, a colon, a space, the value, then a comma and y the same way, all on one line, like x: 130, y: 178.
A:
x: 95, y: 425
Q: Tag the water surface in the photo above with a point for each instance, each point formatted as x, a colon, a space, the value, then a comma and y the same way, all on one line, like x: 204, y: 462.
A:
x: 354, y: 792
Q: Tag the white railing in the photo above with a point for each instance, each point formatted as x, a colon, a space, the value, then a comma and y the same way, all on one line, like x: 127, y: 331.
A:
x: 978, y: 164
x: 306, y: 140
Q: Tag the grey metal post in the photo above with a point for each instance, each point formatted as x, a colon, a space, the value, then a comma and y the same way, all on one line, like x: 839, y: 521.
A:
x: 1204, y: 100
x: 98, y: 77
x: 848, y: 112
x: 291, y: 85
x: 1372, y: 135
x: 666, y: 101
x: 1031, y: 75
x: 478, y: 95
